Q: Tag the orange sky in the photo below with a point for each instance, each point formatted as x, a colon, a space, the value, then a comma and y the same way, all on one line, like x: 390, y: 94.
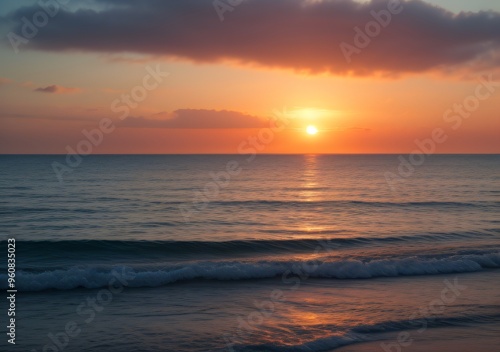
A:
x: 214, y: 98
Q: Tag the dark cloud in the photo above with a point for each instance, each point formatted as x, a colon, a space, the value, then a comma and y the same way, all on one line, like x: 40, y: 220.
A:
x: 55, y: 89
x: 302, y: 35
x: 48, y: 89
x: 199, y: 119
x: 362, y: 129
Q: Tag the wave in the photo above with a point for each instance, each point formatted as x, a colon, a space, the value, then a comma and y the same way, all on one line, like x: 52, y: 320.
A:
x: 344, y: 203
x: 259, y: 203
x: 98, y: 277
x: 367, y: 333
x: 114, y: 248
x: 323, y: 344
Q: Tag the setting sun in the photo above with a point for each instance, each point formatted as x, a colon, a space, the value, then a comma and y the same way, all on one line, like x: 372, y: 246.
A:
x: 312, y: 130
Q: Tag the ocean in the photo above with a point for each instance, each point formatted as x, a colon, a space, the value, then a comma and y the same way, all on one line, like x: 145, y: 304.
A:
x: 234, y: 253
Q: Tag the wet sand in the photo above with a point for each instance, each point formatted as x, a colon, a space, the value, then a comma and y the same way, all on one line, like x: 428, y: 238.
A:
x: 484, y: 338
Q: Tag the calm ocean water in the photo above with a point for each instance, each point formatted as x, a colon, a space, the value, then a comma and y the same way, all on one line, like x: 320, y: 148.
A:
x: 290, y: 253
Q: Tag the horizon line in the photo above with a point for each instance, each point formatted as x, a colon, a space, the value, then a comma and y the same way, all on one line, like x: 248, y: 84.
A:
x: 208, y: 154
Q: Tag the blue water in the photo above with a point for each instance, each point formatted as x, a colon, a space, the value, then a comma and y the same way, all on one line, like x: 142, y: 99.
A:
x: 289, y: 253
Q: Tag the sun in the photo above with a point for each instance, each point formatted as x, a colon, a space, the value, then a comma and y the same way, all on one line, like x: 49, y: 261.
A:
x: 311, y: 129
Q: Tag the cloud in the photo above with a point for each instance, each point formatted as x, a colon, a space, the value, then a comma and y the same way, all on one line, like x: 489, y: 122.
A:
x: 55, y: 89
x: 4, y: 81
x: 197, y: 119
x: 301, y: 35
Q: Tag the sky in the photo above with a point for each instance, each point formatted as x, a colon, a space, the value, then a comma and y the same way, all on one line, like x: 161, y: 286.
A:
x: 204, y: 76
